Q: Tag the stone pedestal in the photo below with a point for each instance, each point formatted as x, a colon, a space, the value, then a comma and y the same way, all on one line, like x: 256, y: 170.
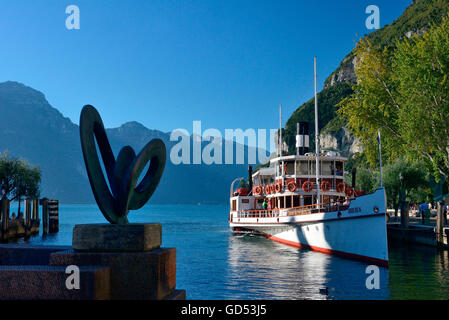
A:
x: 46, y: 282
x: 117, y: 238
x: 139, y: 268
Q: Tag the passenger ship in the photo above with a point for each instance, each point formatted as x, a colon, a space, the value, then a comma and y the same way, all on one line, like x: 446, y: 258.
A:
x: 311, y: 206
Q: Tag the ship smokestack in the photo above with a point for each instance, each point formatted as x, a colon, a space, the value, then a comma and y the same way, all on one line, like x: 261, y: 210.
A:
x: 302, y: 138
x: 250, y: 178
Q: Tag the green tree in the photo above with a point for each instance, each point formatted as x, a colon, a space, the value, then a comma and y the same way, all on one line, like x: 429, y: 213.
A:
x: 18, y: 178
x: 404, y: 93
x: 414, y: 181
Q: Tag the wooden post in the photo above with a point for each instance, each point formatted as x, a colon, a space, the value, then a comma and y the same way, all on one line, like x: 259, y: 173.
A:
x: 27, y: 214
x: 53, y: 216
x: 35, y: 209
x: 439, y: 227
x: 44, y: 203
x: 5, y: 218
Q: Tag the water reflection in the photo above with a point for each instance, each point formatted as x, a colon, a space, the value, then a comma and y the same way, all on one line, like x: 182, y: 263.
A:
x: 418, y: 272
x: 268, y: 270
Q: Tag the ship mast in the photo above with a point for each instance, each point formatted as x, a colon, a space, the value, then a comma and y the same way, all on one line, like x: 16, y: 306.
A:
x: 317, y: 140
x: 280, y: 130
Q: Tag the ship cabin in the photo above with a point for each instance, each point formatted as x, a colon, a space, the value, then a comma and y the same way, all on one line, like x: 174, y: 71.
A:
x: 290, y: 183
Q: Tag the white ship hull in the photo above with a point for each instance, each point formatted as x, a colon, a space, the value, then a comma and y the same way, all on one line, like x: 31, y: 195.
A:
x: 358, y: 232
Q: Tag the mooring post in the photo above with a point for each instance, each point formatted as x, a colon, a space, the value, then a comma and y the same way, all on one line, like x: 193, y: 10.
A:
x: 35, y: 209
x: 439, y: 227
x: 44, y: 203
x: 5, y: 218
x: 53, y: 216
x: 27, y: 215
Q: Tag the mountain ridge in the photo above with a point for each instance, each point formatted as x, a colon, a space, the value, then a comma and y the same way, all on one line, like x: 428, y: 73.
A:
x: 32, y: 129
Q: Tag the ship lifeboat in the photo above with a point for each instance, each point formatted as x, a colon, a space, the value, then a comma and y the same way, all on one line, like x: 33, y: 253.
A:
x: 291, y: 186
x: 325, y: 186
x: 307, y: 186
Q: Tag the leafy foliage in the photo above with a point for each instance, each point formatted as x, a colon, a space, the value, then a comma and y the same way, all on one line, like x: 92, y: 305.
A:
x: 18, y: 178
x: 406, y: 95
x: 415, y: 183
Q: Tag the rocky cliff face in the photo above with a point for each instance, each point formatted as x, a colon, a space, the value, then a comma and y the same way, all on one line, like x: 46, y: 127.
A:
x: 342, y: 141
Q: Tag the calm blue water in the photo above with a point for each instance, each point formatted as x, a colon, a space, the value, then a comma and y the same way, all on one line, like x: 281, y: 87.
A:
x: 212, y: 263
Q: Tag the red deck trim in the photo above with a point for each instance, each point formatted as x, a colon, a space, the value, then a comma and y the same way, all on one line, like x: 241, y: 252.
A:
x: 380, y: 262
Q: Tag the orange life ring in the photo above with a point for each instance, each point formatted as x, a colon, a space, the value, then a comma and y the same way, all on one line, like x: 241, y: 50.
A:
x: 267, y: 189
x: 291, y: 186
x: 258, y: 190
x: 271, y: 188
x: 307, y: 186
x: 278, y: 187
x: 325, y: 185
x: 340, y: 187
x: 350, y: 191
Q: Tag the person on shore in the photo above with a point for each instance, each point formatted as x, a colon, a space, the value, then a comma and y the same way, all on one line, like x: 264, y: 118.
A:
x: 13, y: 216
x: 20, y: 216
x: 445, y: 213
x: 423, y: 210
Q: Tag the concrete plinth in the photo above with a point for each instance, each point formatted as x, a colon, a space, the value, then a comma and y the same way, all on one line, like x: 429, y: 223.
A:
x: 44, y: 282
x: 113, y: 238
x: 134, y: 275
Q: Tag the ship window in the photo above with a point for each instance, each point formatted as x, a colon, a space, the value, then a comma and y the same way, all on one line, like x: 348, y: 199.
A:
x: 307, y: 200
x: 281, y: 203
x: 312, y: 168
x: 290, y: 168
x: 245, y: 200
x: 326, y: 168
x: 302, y: 168
x: 288, y: 202
x: 296, y: 202
x: 339, y: 168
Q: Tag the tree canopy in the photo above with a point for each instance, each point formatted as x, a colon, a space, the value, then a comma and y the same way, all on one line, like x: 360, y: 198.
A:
x: 404, y: 93
x: 18, y: 178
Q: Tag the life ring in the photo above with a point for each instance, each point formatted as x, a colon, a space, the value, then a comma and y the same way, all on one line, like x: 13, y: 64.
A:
x: 325, y: 185
x: 278, y: 187
x: 258, y: 190
x: 267, y: 189
x: 340, y: 187
x: 291, y: 186
x: 272, y: 188
x: 307, y: 186
x: 350, y: 191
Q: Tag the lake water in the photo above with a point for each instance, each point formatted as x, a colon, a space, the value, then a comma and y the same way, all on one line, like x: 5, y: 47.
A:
x: 213, y: 263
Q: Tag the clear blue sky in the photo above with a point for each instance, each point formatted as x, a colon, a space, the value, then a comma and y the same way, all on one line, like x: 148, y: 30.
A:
x: 166, y: 63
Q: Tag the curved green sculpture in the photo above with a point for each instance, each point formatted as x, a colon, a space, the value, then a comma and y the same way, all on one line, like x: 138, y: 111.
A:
x: 123, y: 193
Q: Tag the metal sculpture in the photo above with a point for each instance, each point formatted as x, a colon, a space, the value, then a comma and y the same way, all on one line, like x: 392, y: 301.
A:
x: 123, y: 193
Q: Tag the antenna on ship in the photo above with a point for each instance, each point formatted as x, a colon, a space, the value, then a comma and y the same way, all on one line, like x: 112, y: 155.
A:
x: 317, y: 139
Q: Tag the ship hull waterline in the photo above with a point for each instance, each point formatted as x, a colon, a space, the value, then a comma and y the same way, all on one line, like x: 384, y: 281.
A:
x: 360, y: 235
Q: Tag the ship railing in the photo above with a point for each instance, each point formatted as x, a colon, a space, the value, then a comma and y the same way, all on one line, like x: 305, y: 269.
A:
x: 295, y: 211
